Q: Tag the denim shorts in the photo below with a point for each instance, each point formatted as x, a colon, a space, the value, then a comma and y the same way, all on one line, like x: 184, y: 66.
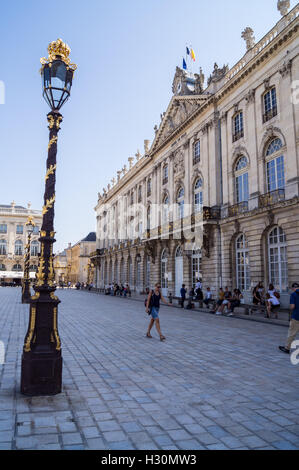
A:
x: 155, y: 313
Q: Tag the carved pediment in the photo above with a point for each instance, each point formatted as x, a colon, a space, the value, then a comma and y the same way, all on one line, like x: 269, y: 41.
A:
x: 178, y: 112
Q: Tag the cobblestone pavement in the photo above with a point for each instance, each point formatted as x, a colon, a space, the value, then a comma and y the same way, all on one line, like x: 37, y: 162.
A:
x: 216, y: 383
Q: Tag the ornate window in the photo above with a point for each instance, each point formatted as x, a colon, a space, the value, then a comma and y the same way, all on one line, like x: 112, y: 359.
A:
x: 165, y: 174
x: 241, y: 180
x: 196, y: 266
x: 3, y: 228
x: 180, y: 202
x: 140, y: 194
x: 18, y: 248
x: 3, y: 245
x: 278, y: 265
x: 166, y: 209
x: 198, y: 200
x: 2, y: 267
x: 270, y: 104
x: 36, y: 229
x: 196, y: 152
x: 149, y: 186
x: 242, y: 264
x: 275, y: 166
x: 19, y: 230
x: 164, y: 271
x: 17, y: 267
x: 238, y: 128
x: 33, y: 268
x: 34, y: 248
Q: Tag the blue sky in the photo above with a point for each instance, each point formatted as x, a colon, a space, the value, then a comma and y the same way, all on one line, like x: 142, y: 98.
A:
x: 127, y: 52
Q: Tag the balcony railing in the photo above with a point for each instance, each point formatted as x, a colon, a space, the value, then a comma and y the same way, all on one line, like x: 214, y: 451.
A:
x: 238, y: 135
x: 211, y: 213
x: 272, y: 197
x: 270, y: 114
x: 237, y: 209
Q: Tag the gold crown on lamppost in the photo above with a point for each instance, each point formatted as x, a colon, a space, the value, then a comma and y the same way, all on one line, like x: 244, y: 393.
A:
x: 30, y: 221
x: 58, y: 49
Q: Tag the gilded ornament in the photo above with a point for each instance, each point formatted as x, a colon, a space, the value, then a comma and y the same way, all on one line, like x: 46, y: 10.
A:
x: 50, y: 171
x: 48, y: 204
x: 58, y: 50
x: 31, y: 330
x: 58, y: 345
x: 52, y: 141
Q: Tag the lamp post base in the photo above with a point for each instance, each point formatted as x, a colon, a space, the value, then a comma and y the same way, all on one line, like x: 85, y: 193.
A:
x: 41, y: 374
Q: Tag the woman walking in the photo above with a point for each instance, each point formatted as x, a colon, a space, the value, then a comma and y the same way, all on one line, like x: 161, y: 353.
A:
x: 152, y: 308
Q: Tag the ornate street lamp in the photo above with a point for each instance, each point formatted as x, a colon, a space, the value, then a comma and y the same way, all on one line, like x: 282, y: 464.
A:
x: 42, y: 360
x: 26, y: 295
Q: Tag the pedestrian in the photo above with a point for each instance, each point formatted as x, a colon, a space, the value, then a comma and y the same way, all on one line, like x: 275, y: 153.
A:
x: 226, y: 300
x: 234, y: 302
x: 272, y: 301
x: 220, y: 299
x: 183, y: 295
x: 294, y: 323
x: 208, y: 297
x: 258, y: 294
x: 152, y: 308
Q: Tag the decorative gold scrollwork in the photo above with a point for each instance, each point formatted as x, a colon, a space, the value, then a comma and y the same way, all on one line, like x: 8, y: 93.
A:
x: 49, y: 204
x: 27, y: 347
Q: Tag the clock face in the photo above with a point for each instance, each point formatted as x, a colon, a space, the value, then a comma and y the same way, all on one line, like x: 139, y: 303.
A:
x: 179, y: 87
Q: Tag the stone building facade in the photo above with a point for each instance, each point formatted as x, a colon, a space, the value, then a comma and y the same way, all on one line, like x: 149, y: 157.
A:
x: 78, y: 260
x: 13, y: 240
x: 216, y: 194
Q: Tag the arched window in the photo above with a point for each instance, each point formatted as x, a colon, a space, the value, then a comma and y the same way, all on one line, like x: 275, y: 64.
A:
x: 242, y: 264
x: 180, y: 202
x: 196, y: 266
x: 2, y: 267
x: 122, y: 276
x: 241, y: 180
x: 270, y: 104
x: 34, y: 248
x: 33, y: 268
x: 17, y: 267
x: 147, y: 271
x: 165, y: 174
x: 275, y: 166
x: 138, y: 271
x: 130, y: 272
x: 166, y: 209
x: 18, y: 248
x: 198, y: 200
x: 164, y: 272
x: 278, y: 264
x: 179, y: 271
x: 116, y: 271
x: 3, y: 247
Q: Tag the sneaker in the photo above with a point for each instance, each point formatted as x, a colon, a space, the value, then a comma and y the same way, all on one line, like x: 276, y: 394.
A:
x: 230, y: 314
x: 283, y: 349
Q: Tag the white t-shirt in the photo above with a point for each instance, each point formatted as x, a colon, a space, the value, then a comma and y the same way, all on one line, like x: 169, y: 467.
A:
x: 274, y: 300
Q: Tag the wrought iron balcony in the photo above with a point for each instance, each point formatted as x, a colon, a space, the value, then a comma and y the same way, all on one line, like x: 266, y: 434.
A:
x: 272, y: 197
x: 238, y: 135
x: 211, y: 213
x: 270, y: 114
x: 237, y: 209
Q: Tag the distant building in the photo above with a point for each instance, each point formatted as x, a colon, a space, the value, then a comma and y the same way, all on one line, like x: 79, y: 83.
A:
x: 77, y: 259
x: 216, y: 196
x: 60, y: 267
x: 13, y: 239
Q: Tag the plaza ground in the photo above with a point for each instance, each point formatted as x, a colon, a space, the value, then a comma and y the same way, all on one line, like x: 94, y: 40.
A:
x: 215, y: 383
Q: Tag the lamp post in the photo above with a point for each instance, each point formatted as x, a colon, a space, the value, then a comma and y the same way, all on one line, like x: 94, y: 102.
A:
x: 26, y: 295
x: 41, y: 360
